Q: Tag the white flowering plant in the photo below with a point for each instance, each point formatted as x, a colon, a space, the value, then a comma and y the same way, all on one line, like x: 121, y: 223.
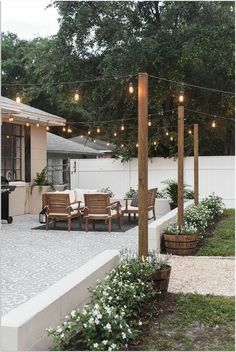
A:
x: 112, y: 319
x: 186, y: 229
x: 205, y: 213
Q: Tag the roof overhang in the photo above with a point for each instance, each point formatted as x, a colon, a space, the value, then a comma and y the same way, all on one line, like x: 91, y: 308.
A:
x: 22, y: 113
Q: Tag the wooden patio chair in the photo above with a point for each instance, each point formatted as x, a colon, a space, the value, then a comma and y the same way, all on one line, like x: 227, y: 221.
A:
x: 98, y: 207
x: 131, y: 204
x: 58, y: 207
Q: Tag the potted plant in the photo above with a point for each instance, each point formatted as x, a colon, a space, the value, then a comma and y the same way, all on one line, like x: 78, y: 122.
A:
x: 108, y: 191
x: 131, y: 193
x: 162, y: 270
x: 180, y: 240
x: 171, y: 191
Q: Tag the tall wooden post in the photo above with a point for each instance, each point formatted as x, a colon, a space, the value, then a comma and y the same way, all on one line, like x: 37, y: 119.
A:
x: 180, y: 164
x: 196, y: 184
x: 143, y: 162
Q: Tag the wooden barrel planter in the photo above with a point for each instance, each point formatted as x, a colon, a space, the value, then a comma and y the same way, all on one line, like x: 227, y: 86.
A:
x: 161, y: 279
x: 180, y: 244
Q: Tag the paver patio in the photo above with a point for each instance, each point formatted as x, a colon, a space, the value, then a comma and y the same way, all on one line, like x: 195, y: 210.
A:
x: 32, y: 260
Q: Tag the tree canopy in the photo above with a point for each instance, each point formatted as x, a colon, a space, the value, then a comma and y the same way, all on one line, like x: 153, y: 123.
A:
x: 189, y: 42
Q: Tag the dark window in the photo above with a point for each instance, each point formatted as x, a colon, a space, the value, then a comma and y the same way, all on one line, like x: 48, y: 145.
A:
x: 11, y: 151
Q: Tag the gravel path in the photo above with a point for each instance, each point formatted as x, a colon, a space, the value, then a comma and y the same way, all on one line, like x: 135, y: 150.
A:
x: 203, y: 275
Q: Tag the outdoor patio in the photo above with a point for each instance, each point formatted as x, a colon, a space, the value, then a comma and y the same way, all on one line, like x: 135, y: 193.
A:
x: 33, y: 260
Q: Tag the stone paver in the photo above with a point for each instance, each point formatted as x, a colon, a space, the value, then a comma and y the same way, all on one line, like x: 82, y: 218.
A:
x: 32, y: 260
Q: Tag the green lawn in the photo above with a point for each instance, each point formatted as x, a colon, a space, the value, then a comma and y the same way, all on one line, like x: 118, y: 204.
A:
x: 188, y: 323
x: 221, y: 243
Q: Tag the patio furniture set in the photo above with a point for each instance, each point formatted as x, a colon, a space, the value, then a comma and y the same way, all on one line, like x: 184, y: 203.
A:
x: 90, y: 205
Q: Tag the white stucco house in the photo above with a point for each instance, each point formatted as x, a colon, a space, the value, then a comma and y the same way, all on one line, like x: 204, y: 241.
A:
x: 23, y: 149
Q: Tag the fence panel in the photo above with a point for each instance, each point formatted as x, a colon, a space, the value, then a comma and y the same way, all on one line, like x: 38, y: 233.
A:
x: 216, y: 174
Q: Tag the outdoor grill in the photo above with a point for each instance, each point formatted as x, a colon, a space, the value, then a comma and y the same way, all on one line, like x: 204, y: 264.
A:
x: 5, y: 191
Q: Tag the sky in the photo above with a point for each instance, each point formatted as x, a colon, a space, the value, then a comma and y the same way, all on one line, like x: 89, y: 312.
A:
x: 28, y: 18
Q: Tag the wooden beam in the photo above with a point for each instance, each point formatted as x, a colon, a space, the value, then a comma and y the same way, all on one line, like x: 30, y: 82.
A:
x: 143, y: 162
x: 180, y: 164
x: 196, y: 182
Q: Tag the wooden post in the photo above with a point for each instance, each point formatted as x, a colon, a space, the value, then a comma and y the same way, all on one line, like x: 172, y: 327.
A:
x: 143, y: 163
x: 180, y: 164
x: 196, y: 185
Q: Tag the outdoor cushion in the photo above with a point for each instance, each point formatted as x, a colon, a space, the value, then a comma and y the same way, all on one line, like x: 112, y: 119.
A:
x: 71, y: 194
x: 134, y: 202
x: 74, y: 212
x: 129, y: 208
x: 79, y: 193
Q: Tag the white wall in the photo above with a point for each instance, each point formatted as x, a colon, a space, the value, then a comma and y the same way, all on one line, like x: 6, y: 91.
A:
x: 216, y: 174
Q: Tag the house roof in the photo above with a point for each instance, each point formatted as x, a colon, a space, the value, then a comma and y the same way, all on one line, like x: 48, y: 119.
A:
x: 60, y: 145
x: 99, y: 145
x: 25, y: 112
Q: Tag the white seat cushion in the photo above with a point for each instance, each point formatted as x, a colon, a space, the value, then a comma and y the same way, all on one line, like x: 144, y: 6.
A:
x: 129, y: 208
x: 71, y: 194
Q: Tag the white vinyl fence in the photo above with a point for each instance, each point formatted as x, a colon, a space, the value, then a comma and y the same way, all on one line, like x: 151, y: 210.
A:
x: 216, y: 174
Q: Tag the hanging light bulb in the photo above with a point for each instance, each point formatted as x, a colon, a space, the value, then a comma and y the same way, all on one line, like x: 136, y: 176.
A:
x: 122, y: 127
x: 181, y: 96
x: 108, y: 143
x: 69, y: 130
x: 167, y: 133
x: 64, y: 128
x: 89, y: 132
x: 81, y: 136
x: 37, y: 124
x: 189, y: 131
x: 114, y: 134
x: 18, y: 98
x: 47, y: 128
x: 137, y: 145
x: 122, y: 145
x: 213, y: 124
x: 154, y: 143
x: 131, y: 88
x: 11, y: 118
x: 98, y: 130
x: 149, y: 123
x: 27, y: 123
x: 76, y: 96
x: 171, y: 138
x: 94, y: 141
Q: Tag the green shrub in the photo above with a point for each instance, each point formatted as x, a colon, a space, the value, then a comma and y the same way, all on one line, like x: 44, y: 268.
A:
x: 111, y: 320
x: 199, y: 216
x: 214, y: 204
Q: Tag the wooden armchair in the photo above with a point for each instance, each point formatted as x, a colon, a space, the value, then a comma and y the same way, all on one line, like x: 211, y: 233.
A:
x: 131, y: 204
x: 58, y: 207
x: 98, y: 207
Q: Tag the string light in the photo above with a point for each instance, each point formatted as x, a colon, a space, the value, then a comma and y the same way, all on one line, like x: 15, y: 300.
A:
x: 37, y: 124
x: 11, y: 118
x: 98, y: 130
x: 114, y: 134
x: 149, y: 123
x: 89, y: 132
x: 154, y: 143
x: 137, y: 145
x: 27, y: 123
x: 69, y: 130
x: 76, y: 96
x: 94, y: 141
x: 122, y: 145
x: 122, y: 126
x: 189, y: 131
x: 81, y: 136
x: 181, y: 96
x: 108, y: 143
x: 171, y: 138
x: 64, y: 128
x: 131, y: 88
x: 18, y: 98
x: 213, y: 124
x: 167, y: 133
x: 47, y: 128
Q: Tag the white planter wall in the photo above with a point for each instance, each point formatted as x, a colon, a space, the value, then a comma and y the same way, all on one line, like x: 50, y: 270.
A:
x: 216, y: 174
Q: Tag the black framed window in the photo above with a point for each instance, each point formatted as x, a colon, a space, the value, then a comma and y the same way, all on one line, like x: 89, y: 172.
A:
x: 11, y: 151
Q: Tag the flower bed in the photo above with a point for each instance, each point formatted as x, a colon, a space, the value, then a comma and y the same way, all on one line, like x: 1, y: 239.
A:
x: 111, y: 320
